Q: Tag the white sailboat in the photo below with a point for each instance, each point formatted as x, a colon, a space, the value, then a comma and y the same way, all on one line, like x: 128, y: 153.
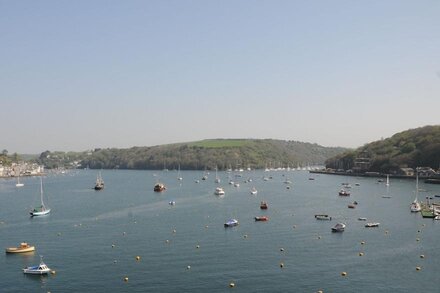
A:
x: 387, y: 184
x: 18, y: 182
x: 42, y: 209
x: 179, y: 176
x: 217, y: 179
x: 99, y: 182
x: 415, y: 205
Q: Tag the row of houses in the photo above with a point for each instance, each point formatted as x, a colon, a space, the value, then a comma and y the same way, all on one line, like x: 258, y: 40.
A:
x: 21, y: 169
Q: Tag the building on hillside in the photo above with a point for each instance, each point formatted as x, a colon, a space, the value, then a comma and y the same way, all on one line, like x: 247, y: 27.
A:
x: 425, y: 172
x: 362, y: 163
x: 406, y: 171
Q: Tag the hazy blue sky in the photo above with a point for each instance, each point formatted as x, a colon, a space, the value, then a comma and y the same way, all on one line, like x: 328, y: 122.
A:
x: 76, y: 75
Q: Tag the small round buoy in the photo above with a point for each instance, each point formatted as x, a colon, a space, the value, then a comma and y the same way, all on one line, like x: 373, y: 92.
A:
x: 418, y: 268
x: 417, y: 239
x: 126, y: 279
x: 123, y: 233
x: 174, y: 231
x: 362, y: 242
x: 344, y: 274
x: 115, y: 261
x: 386, y: 231
x: 113, y: 246
x: 294, y: 226
x: 281, y: 249
x: 188, y: 267
x: 59, y: 234
x: 422, y: 256
x: 245, y: 236
x: 53, y: 272
x: 138, y: 257
x: 281, y: 265
x: 418, y: 231
x: 361, y: 253
x: 197, y: 246
x: 232, y: 285
x: 319, y: 237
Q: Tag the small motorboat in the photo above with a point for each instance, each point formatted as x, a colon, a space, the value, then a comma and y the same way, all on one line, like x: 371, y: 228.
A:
x: 171, y: 203
x: 362, y: 219
x: 41, y: 269
x: 339, y: 227
x: 254, y: 191
x: 323, y: 217
x: 263, y: 205
x: 159, y: 187
x: 371, y: 225
x: 24, y: 247
x: 219, y: 191
x: 231, y: 223
x: 263, y: 218
x: 351, y: 206
x: 344, y: 192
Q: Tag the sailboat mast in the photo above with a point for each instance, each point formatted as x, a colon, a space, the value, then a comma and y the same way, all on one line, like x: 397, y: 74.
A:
x: 417, y: 184
x: 41, y: 190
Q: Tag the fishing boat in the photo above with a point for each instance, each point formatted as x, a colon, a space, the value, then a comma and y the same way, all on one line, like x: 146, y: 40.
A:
x: 263, y: 205
x: 263, y: 219
x: 231, y: 223
x: 42, y: 209
x: 159, y: 187
x: 339, y: 227
x: 415, y: 205
x: 219, y: 191
x: 371, y: 225
x: 41, y: 269
x: 99, y: 182
x: 24, y: 247
x: 323, y: 217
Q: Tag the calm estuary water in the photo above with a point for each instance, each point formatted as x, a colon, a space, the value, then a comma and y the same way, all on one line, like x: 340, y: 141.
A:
x: 91, y: 238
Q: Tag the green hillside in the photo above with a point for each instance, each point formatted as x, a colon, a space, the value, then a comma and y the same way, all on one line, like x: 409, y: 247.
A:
x: 223, y: 153
x: 412, y: 148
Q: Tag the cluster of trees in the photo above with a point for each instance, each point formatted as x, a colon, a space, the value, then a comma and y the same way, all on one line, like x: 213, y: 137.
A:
x: 7, y: 160
x: 412, y: 148
x: 198, y: 156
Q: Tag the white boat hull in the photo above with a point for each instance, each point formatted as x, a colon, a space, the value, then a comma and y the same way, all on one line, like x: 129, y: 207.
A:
x: 42, y: 213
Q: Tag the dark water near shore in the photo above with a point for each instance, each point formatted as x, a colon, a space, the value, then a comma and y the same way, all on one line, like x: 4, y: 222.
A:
x: 76, y: 238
